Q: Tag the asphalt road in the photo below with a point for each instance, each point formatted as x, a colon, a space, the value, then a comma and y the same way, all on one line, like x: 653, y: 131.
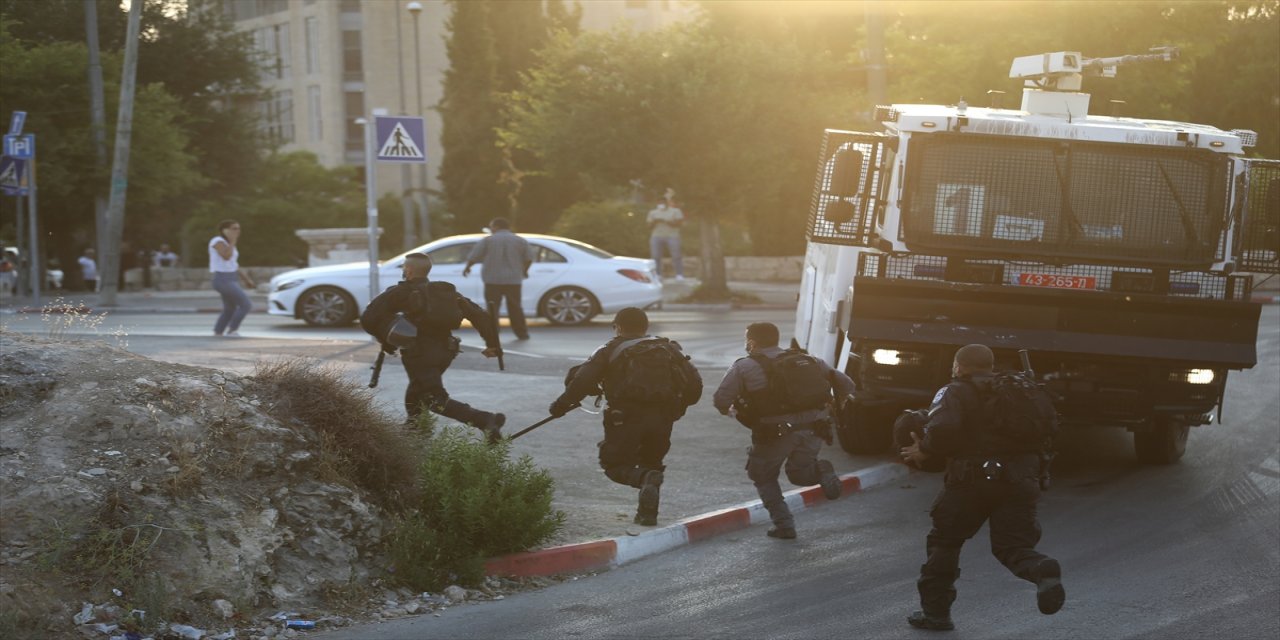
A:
x: 1185, y: 551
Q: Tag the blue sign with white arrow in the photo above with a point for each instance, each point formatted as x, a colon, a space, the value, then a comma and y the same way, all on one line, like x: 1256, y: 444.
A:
x: 401, y: 139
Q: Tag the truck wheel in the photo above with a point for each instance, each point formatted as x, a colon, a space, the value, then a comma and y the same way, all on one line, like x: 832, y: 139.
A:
x: 864, y: 430
x: 1162, y: 442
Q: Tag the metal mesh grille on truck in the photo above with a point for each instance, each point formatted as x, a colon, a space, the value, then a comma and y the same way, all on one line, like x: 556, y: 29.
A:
x: 849, y: 221
x: 1084, y: 200
x: 1260, y: 229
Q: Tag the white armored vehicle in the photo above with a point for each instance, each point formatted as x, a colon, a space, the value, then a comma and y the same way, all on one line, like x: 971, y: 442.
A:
x: 1118, y: 251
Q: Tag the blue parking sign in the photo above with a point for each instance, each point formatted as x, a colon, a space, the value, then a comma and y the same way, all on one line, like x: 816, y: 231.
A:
x: 21, y: 147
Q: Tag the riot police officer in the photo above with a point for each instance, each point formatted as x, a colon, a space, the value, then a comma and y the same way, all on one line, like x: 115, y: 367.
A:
x: 984, y: 481
x: 783, y: 396
x: 434, y: 309
x: 648, y: 383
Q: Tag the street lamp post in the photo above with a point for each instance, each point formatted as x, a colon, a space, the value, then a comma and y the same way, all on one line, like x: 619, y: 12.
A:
x: 406, y: 178
x: 424, y: 219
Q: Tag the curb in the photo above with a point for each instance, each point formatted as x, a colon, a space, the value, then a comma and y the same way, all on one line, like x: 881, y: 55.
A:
x: 615, y: 552
x: 125, y: 311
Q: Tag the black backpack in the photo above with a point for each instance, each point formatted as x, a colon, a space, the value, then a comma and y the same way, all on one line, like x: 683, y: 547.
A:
x: 648, y: 370
x: 797, y: 382
x: 1023, y: 418
x: 433, y: 307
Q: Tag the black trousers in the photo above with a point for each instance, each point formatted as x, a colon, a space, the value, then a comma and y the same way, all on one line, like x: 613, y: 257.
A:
x: 494, y: 294
x: 636, y: 439
x: 425, y: 363
x: 967, y: 501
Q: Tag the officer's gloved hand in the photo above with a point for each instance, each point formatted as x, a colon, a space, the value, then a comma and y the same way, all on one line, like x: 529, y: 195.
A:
x: 559, y: 408
x: 390, y: 349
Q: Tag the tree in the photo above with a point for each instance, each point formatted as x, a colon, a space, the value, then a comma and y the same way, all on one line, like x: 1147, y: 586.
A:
x: 48, y: 82
x: 490, y: 45
x: 721, y: 120
x: 472, y: 162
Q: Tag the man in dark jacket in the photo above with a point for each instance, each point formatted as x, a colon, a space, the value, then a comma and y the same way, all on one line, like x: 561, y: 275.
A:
x: 640, y: 412
x: 981, y: 484
x: 429, y: 353
x: 781, y: 433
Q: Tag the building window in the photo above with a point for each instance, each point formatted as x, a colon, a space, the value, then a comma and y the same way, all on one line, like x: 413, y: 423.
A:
x: 349, y: 6
x: 312, y: 37
x: 354, y: 103
x: 283, y: 51
x: 276, y: 111
x: 272, y: 44
x: 315, y: 118
x: 247, y: 9
x: 352, y: 58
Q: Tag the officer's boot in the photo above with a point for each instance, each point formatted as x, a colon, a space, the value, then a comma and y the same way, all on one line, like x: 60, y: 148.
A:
x: 1050, y: 595
x: 488, y: 423
x: 937, y: 592
x: 650, y: 494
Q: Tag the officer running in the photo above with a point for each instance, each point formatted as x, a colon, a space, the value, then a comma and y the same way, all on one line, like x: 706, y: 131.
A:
x: 434, y: 309
x: 783, y: 397
x: 983, y: 482
x: 648, y: 383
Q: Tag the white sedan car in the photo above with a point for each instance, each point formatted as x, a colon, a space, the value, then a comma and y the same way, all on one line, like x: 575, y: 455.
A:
x: 569, y: 283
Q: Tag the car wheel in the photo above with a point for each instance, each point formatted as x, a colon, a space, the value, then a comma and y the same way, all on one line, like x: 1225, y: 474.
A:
x: 865, y: 430
x: 327, y: 307
x: 568, y: 306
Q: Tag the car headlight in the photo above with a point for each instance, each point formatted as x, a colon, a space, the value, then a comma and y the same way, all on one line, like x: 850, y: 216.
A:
x: 1192, y: 376
x: 287, y: 284
x: 893, y: 357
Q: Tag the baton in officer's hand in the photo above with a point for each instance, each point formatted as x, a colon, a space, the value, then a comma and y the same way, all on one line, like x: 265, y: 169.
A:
x: 377, y: 369
x: 543, y: 421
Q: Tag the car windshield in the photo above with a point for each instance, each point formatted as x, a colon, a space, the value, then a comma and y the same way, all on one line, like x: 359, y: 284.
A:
x: 587, y: 249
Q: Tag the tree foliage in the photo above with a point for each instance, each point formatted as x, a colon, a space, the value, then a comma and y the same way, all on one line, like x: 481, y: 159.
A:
x: 490, y: 45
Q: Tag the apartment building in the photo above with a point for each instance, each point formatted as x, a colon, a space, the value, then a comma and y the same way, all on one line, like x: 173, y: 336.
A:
x: 328, y: 63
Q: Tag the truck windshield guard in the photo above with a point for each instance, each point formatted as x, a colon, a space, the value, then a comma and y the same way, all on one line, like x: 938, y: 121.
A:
x: 1087, y: 201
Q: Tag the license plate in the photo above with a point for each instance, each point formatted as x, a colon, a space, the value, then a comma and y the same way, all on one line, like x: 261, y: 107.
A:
x: 1056, y: 281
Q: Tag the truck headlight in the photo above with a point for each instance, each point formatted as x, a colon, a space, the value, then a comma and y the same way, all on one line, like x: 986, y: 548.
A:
x: 288, y: 284
x: 1192, y: 376
x: 893, y: 357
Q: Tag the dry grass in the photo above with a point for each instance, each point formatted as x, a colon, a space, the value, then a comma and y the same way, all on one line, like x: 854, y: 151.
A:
x: 358, y: 443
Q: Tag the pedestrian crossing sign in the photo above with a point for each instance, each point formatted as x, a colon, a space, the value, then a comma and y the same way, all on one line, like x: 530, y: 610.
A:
x: 13, y: 176
x: 401, y: 139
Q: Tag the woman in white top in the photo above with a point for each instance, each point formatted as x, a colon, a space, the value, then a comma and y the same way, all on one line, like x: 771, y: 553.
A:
x: 224, y: 262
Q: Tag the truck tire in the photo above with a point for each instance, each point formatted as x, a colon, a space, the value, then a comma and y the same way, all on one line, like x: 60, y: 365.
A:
x: 1162, y: 442
x: 865, y: 430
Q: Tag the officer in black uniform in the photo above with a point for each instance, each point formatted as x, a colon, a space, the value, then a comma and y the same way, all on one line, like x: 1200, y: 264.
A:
x: 430, y: 353
x: 637, y: 435
x: 777, y: 436
x: 982, y: 483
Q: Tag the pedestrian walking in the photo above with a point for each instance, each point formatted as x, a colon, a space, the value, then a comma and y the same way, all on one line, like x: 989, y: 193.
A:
x: 648, y: 384
x: 665, y: 221
x: 993, y: 433
x: 784, y: 397
x: 88, y: 270
x: 434, y: 310
x: 506, y: 258
x: 224, y: 263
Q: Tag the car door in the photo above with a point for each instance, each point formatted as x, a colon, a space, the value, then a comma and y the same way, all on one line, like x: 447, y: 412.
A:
x: 548, y: 267
x: 447, y: 263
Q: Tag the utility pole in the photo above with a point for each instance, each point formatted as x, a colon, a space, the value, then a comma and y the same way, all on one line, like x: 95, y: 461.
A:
x: 99, y: 120
x: 406, y: 178
x: 424, y: 220
x: 109, y: 274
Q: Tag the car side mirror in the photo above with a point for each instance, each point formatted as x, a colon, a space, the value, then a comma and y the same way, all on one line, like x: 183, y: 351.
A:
x: 846, y: 174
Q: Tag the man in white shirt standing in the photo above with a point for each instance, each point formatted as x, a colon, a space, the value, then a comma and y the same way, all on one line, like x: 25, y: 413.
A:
x: 665, y: 221
x: 89, y: 270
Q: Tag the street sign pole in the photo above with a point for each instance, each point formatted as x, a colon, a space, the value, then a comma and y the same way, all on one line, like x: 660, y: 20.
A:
x: 371, y: 199
x: 22, y: 227
x: 34, y: 264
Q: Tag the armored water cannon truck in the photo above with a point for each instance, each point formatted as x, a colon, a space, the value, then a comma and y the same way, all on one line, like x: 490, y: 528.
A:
x: 1120, y: 251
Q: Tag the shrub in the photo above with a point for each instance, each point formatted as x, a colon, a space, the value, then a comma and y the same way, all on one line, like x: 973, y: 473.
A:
x: 360, y: 444
x: 613, y: 225
x: 477, y: 503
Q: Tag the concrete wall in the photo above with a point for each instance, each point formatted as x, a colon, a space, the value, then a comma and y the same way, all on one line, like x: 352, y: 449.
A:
x: 181, y: 279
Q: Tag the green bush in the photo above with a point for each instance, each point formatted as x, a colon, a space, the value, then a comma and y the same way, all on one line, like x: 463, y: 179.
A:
x: 476, y: 503
x: 613, y: 225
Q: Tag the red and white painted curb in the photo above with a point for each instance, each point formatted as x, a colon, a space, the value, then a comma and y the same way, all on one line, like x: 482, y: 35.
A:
x: 614, y: 552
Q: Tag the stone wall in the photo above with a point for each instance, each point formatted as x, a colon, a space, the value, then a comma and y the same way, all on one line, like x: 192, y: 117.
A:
x: 749, y: 268
x: 194, y: 279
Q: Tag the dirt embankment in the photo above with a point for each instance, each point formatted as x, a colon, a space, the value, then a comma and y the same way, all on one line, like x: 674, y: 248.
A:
x: 141, y: 485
